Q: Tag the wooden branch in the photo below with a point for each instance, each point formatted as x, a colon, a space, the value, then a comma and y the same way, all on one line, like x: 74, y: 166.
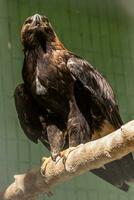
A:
x: 76, y: 161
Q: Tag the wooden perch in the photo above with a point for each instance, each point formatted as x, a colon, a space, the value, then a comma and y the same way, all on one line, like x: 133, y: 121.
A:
x: 76, y: 161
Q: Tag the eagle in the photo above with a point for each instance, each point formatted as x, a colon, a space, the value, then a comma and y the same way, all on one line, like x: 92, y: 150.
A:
x: 64, y: 101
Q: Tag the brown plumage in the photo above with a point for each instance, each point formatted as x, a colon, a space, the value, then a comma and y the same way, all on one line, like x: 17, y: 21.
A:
x: 64, y: 101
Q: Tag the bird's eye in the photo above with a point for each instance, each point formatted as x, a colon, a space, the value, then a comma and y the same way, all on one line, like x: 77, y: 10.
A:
x: 28, y: 21
x: 45, y: 19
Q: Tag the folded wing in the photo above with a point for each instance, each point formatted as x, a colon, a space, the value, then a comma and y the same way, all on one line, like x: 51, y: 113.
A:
x: 92, y: 90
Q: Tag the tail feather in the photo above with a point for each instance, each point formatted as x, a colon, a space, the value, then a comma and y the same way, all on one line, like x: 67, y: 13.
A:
x: 119, y: 173
x: 127, y: 166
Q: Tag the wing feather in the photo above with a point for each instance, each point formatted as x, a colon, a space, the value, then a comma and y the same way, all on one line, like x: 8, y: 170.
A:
x: 118, y: 172
x: 99, y: 88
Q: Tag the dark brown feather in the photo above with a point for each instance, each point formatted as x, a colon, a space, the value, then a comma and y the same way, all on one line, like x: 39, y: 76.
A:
x: 64, y: 100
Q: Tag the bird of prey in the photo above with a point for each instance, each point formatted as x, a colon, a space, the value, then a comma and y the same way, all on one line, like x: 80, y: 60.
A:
x: 64, y: 101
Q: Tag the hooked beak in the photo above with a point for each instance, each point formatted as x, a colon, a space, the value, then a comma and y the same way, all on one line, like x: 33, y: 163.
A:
x: 37, y: 19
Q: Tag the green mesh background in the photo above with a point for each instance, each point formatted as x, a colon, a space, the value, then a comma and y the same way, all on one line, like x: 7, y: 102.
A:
x: 102, y: 31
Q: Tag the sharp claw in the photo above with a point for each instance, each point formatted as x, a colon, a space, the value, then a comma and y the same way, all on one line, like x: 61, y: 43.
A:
x: 45, y: 162
x: 65, y: 156
x: 43, y: 159
x: 56, y: 157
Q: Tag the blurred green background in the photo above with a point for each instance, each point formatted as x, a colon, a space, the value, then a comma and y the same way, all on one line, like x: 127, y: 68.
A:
x: 102, y: 31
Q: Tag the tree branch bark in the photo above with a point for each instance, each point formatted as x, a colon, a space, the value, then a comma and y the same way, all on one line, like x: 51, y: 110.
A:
x: 75, y: 161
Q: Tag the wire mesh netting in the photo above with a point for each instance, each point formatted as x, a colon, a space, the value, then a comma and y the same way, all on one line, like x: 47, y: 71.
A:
x: 100, y: 31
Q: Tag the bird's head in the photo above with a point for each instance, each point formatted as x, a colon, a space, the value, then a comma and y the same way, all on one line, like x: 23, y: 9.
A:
x: 36, y: 30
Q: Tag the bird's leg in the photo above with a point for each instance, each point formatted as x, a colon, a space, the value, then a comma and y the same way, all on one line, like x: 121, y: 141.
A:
x: 56, y: 141
x: 78, y: 128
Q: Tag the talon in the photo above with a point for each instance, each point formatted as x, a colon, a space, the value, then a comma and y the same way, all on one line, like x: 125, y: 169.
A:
x: 56, y: 157
x: 43, y: 159
x: 65, y: 155
x: 44, y: 165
